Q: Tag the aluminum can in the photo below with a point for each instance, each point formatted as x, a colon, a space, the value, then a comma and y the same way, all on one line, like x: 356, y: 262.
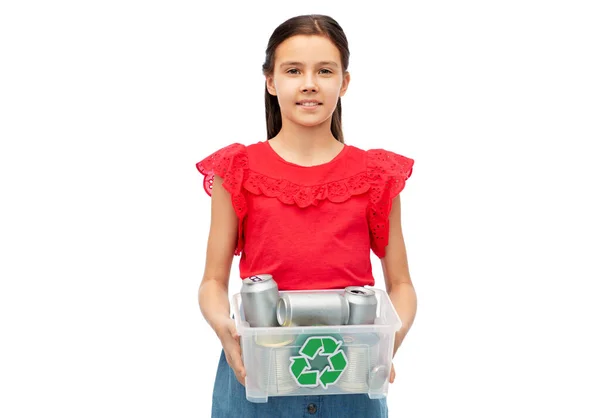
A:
x: 259, y: 300
x: 362, y: 352
x: 363, y: 305
x: 312, y: 308
x: 272, y: 364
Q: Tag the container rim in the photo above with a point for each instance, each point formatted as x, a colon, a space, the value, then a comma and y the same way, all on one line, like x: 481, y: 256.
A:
x: 395, y: 324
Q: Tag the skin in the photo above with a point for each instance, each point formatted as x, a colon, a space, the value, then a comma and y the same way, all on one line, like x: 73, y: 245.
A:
x: 397, y: 278
x: 305, y: 139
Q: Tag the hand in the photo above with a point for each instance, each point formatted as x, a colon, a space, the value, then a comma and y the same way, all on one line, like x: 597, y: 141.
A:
x: 392, y: 374
x: 230, y: 340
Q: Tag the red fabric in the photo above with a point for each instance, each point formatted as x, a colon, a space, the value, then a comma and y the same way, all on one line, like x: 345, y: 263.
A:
x: 310, y: 227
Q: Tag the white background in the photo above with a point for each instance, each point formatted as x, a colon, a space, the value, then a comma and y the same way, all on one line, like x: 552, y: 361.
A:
x: 105, y: 107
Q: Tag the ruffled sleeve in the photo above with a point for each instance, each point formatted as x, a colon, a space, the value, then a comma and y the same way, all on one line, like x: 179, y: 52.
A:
x: 387, y: 173
x: 231, y: 164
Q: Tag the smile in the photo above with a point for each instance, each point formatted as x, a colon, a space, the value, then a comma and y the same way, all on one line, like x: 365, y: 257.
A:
x: 308, y: 104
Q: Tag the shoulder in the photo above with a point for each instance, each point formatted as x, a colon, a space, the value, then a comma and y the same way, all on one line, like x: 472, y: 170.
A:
x: 216, y: 158
x: 384, y: 162
x: 228, y: 162
x: 387, y: 172
x: 380, y: 162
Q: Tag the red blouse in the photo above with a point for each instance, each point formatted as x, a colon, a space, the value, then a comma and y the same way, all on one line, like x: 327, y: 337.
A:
x: 310, y: 227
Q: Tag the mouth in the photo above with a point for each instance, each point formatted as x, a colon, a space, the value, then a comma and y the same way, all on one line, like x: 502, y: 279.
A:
x: 309, y: 104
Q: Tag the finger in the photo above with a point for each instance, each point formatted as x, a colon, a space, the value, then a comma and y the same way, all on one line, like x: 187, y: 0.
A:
x: 240, y: 379
x: 240, y: 374
x: 233, y: 331
x: 236, y: 346
x: 233, y: 354
x: 238, y: 367
x: 234, y: 359
x: 392, y: 375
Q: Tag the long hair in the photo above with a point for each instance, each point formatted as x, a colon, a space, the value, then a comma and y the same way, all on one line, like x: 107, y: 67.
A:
x: 304, y: 25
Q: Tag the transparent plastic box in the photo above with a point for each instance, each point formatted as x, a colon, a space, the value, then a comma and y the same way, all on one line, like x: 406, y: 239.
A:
x: 318, y: 360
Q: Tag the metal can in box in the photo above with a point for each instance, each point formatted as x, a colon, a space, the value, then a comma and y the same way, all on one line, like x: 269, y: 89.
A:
x: 363, y: 305
x: 259, y: 300
x: 361, y: 352
x: 312, y: 308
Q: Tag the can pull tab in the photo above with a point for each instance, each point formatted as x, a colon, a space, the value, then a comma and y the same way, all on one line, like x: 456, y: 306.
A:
x: 255, y: 279
x: 379, y: 375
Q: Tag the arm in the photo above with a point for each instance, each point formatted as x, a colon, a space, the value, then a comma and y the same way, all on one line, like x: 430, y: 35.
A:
x: 397, y: 277
x: 213, y: 294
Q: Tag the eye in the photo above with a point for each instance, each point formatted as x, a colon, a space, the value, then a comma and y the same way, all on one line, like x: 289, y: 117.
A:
x: 292, y: 69
x: 327, y: 71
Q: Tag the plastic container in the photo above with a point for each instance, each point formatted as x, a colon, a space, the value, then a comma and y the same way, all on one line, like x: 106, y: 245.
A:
x: 318, y: 360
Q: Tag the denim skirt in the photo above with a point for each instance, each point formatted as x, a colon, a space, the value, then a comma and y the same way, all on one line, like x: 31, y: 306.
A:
x: 229, y: 400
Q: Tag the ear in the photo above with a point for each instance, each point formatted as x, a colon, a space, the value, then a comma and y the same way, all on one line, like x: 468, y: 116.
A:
x: 345, y: 82
x: 270, y: 83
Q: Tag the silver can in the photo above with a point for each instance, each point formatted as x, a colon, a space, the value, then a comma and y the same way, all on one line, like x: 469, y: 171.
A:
x: 259, y: 300
x: 312, y: 308
x: 361, y: 351
x: 363, y: 305
x: 272, y: 365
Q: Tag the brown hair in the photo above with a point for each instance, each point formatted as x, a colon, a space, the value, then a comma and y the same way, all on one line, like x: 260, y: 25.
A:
x: 304, y: 25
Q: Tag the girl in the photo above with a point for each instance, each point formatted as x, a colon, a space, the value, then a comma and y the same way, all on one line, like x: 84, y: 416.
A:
x: 304, y: 207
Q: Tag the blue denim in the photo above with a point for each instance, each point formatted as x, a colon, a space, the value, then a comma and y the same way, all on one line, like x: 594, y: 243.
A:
x: 229, y: 400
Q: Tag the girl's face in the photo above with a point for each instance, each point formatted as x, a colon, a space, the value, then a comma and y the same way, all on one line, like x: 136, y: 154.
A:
x: 307, y: 79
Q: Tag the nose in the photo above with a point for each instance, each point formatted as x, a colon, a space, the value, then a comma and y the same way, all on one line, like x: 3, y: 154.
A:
x: 309, y: 84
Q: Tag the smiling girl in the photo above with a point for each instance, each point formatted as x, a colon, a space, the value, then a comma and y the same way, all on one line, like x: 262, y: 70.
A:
x: 304, y: 207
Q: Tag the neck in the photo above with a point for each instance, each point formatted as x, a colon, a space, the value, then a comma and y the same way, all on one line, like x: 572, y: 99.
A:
x: 305, y: 145
x: 306, y: 141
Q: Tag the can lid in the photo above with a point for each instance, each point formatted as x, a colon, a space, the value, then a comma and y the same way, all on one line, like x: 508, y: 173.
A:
x: 360, y: 291
x: 258, y: 278
x: 284, y: 312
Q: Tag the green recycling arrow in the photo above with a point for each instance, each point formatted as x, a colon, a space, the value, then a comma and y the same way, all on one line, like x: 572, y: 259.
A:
x: 329, y: 376
x: 324, y: 346
x: 298, y: 365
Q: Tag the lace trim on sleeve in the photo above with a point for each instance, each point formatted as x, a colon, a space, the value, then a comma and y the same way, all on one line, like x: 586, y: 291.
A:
x: 231, y: 164
x: 387, y: 174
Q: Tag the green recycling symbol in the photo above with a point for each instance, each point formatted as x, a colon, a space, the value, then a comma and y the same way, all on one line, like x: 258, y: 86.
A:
x: 300, y: 366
